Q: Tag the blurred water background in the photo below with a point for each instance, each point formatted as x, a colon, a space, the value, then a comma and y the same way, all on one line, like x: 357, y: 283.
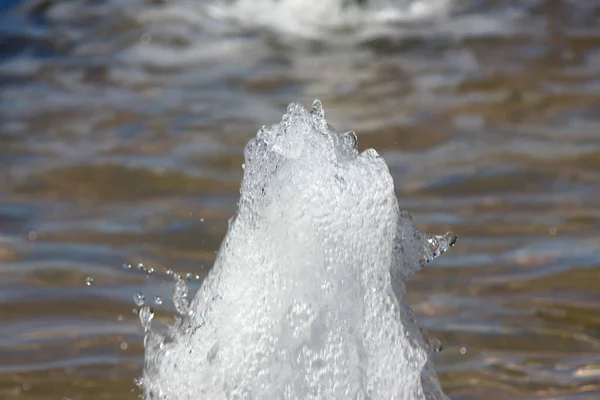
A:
x: 122, y: 125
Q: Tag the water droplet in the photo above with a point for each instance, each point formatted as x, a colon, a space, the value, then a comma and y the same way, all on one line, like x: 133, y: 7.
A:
x: 139, y: 382
x: 158, y: 300
x: 146, y: 315
x: 169, y: 272
x: 139, y: 299
x: 463, y: 350
x: 141, y: 267
x: 32, y: 235
x: 120, y: 318
x: 123, y: 345
x: 126, y: 266
x: 89, y: 280
x: 436, y: 345
x: 150, y: 271
x: 201, y: 219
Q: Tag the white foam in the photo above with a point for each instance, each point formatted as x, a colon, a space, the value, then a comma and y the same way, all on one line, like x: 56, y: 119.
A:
x: 322, y: 18
x: 305, y: 298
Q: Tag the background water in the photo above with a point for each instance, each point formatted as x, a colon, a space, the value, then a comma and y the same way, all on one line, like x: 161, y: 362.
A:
x: 122, y: 125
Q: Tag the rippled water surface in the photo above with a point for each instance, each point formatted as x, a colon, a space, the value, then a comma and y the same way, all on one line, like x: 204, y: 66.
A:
x: 122, y: 125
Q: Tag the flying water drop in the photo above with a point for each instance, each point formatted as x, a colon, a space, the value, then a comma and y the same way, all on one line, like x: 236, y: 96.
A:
x: 139, y: 299
x: 435, y: 345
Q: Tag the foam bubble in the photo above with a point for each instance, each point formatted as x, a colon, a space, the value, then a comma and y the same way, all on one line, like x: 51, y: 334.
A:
x: 305, y: 298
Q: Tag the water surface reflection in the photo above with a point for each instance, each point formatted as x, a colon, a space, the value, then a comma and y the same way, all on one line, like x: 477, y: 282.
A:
x: 122, y: 125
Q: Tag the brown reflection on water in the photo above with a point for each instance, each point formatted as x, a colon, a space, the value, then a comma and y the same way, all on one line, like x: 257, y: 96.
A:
x: 114, y: 152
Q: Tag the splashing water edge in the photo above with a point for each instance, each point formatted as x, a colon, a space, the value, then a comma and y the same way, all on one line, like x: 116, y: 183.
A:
x: 305, y: 298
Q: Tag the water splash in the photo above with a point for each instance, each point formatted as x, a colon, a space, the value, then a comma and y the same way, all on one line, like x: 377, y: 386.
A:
x: 305, y: 298
x: 180, y: 293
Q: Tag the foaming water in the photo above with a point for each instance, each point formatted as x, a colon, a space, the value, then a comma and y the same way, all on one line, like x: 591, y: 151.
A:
x: 305, y: 298
x: 318, y: 18
x: 340, y: 22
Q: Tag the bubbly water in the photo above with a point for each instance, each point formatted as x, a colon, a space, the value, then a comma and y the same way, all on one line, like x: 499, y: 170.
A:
x: 305, y: 298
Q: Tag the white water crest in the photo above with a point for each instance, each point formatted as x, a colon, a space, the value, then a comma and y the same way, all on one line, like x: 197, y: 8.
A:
x: 314, y: 19
x: 305, y: 298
